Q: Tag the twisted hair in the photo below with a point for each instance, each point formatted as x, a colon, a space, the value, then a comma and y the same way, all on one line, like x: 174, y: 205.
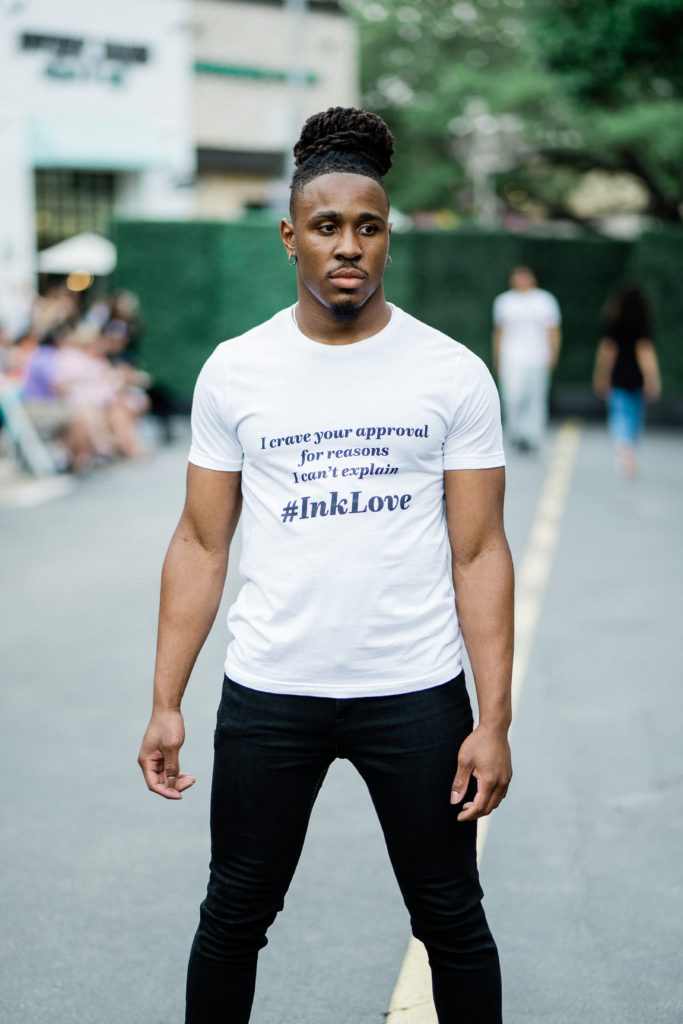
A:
x: 342, y: 139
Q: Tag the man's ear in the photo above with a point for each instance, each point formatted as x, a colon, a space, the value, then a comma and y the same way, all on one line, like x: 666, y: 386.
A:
x: 287, y: 236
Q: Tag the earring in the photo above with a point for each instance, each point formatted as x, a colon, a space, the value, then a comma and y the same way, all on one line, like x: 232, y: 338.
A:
x: 389, y: 261
x: 292, y: 259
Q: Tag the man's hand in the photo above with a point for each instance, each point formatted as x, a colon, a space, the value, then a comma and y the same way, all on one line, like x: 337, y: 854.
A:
x: 159, y: 755
x: 485, y: 756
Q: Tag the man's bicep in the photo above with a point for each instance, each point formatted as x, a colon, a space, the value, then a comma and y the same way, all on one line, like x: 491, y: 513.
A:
x: 212, y: 506
x: 474, y: 510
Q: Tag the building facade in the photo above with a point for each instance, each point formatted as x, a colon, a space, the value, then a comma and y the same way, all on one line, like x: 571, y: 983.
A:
x: 95, y: 106
x: 261, y: 68
x: 154, y: 109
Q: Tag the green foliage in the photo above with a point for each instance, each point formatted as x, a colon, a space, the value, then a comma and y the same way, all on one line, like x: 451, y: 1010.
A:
x: 578, y: 83
x: 420, y: 65
x: 620, y: 63
x: 615, y: 51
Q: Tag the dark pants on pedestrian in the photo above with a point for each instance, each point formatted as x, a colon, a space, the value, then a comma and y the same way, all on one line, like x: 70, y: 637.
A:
x: 271, y: 755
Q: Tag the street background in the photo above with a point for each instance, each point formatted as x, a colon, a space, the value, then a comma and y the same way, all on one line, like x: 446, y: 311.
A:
x: 146, y: 155
x: 102, y: 880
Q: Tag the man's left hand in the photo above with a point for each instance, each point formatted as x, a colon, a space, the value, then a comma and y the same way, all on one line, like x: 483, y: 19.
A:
x: 485, y: 756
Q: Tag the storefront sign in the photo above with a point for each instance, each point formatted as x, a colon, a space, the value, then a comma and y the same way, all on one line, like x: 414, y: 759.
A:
x: 71, y: 58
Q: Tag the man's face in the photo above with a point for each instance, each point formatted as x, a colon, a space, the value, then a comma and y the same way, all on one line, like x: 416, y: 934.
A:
x: 522, y: 279
x: 340, y: 236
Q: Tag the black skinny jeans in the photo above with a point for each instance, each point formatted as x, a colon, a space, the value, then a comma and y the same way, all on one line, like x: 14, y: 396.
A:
x: 271, y: 755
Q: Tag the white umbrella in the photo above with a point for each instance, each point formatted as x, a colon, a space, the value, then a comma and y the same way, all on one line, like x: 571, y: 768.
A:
x: 89, y: 252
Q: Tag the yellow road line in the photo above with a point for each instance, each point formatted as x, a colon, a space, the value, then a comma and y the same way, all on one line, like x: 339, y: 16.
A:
x: 412, y: 1001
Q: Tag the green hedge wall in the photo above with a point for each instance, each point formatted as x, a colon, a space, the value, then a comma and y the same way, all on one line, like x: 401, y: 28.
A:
x: 198, y: 283
x: 657, y: 261
x: 202, y: 282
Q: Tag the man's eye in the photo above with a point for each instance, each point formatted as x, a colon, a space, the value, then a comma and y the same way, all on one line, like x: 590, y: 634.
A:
x: 369, y: 229
x: 327, y: 229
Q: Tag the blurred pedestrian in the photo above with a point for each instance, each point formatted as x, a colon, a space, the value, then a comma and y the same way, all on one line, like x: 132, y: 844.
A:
x: 53, y: 413
x: 526, y: 346
x: 76, y: 397
x: 122, y: 324
x: 105, y: 395
x: 362, y: 443
x: 626, y: 371
x: 57, y: 306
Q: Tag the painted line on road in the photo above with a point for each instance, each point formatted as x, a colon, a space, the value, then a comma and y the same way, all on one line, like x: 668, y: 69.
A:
x: 411, y: 1002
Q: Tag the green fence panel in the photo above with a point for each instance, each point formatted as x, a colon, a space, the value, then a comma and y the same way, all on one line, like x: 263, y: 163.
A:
x: 199, y: 283
x: 202, y: 282
x: 657, y: 262
x: 174, y: 268
x: 454, y: 278
x: 462, y: 274
x: 400, y: 282
x: 257, y: 279
x: 580, y: 274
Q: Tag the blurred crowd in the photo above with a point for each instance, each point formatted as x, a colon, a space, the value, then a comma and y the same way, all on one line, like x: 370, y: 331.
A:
x: 74, y: 371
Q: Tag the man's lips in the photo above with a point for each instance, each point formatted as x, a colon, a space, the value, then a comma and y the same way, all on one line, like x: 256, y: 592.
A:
x: 348, y: 277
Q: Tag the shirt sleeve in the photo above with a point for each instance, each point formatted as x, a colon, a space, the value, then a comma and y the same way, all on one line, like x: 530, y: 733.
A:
x: 498, y: 310
x: 215, y: 444
x: 475, y: 436
x: 553, y: 317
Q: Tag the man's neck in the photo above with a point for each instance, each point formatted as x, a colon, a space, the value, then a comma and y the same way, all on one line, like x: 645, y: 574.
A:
x: 318, y: 322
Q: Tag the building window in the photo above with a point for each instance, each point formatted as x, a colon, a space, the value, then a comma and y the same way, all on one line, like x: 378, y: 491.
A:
x: 69, y: 202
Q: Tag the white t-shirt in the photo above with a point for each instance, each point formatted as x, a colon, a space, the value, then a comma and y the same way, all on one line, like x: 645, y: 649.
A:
x: 524, y: 318
x: 345, y: 557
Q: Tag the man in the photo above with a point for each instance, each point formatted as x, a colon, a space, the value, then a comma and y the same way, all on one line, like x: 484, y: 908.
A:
x: 360, y: 442
x: 526, y: 346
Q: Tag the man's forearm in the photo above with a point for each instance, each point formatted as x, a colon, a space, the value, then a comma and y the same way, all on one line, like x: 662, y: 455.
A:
x: 484, y: 589
x: 555, y: 340
x: 191, y: 588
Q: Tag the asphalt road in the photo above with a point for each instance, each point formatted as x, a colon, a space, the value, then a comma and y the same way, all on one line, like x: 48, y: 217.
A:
x: 582, y: 865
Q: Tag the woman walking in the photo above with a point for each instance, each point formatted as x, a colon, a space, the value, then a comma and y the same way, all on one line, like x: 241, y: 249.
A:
x: 626, y: 371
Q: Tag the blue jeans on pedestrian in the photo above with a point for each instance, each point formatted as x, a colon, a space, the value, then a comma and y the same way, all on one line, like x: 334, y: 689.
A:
x: 272, y: 752
x: 625, y: 415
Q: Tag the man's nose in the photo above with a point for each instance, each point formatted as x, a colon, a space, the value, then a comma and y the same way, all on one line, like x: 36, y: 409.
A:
x: 348, y: 247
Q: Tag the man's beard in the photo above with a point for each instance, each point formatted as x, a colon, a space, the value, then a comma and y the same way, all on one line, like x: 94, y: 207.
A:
x: 344, y: 312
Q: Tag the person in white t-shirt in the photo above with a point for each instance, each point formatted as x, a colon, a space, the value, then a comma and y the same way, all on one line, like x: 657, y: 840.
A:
x: 526, y: 346
x: 364, y: 452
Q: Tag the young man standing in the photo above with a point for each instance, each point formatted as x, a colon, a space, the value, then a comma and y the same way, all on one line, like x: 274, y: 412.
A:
x: 364, y: 449
x: 526, y: 347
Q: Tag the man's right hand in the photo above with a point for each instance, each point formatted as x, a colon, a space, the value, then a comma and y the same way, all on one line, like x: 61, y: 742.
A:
x: 192, y: 583
x: 159, y: 755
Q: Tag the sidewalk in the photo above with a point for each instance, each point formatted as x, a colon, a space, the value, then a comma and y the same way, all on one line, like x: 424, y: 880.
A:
x: 22, y: 490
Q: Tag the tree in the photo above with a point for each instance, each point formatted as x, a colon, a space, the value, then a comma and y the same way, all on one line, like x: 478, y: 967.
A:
x: 439, y: 73
x: 620, y: 65
x: 525, y: 97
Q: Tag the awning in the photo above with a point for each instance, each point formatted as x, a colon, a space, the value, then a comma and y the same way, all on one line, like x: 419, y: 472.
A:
x: 89, y: 252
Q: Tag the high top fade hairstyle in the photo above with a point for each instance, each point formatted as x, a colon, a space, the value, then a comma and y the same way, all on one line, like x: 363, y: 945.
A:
x: 341, y: 139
